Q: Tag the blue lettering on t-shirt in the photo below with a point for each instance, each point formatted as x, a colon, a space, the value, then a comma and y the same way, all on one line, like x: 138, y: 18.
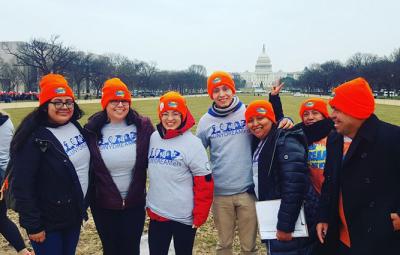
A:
x: 164, y: 156
x: 118, y: 140
x: 228, y: 128
x: 74, y: 144
x: 317, y: 156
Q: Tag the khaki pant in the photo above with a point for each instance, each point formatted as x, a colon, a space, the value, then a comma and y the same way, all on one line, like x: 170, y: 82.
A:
x: 228, y: 210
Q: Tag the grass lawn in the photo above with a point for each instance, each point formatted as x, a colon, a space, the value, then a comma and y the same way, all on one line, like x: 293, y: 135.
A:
x: 206, y: 236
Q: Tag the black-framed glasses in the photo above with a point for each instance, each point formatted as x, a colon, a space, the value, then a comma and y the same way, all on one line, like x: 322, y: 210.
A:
x: 115, y: 103
x: 60, y: 104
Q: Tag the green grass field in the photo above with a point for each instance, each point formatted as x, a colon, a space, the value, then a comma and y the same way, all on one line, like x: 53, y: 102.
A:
x: 199, y: 105
x: 206, y: 236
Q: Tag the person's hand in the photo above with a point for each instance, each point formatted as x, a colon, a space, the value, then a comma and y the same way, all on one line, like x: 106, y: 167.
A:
x: 396, y: 221
x: 194, y: 226
x: 39, y: 237
x: 276, y: 88
x: 322, y: 229
x: 25, y: 252
x: 286, y: 123
x: 283, y: 236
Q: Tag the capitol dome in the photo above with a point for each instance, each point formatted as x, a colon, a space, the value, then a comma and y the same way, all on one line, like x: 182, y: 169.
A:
x: 263, y: 64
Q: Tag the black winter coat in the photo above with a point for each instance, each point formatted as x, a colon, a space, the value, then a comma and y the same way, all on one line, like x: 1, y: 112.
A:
x: 283, y: 174
x: 369, y: 178
x: 46, y: 188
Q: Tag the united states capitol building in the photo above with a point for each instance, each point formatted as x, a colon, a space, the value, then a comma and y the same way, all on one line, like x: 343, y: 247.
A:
x: 263, y: 76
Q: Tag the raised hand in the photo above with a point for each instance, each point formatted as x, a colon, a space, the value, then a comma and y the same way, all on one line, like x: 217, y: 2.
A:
x: 276, y: 88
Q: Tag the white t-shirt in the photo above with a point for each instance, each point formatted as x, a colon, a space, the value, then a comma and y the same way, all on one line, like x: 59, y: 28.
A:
x: 172, y: 165
x: 77, y: 150
x: 118, y: 150
x: 256, y: 156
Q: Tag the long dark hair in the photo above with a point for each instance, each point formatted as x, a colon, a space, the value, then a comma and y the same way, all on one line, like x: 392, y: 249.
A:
x: 97, y: 121
x: 32, y: 121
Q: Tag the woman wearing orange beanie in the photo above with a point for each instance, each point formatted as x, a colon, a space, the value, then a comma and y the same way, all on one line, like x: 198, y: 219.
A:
x: 180, y: 182
x: 279, y: 172
x: 316, y: 125
x: 121, y: 137
x: 50, y: 159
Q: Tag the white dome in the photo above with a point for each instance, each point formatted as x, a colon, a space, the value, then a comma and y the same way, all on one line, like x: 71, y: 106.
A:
x: 263, y: 64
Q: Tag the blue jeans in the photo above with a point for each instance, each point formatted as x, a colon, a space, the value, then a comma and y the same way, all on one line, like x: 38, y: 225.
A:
x: 61, y: 242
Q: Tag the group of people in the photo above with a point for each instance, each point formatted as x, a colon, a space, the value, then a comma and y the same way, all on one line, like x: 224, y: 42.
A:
x: 341, y: 167
x: 9, y: 96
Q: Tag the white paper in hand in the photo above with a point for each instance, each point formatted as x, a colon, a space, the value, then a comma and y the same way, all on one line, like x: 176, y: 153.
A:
x: 267, y: 215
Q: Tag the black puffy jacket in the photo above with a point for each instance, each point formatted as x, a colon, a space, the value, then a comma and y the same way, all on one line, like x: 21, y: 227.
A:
x: 46, y: 188
x: 283, y: 174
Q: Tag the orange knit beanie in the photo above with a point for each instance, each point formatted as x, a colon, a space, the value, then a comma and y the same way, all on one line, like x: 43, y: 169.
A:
x: 220, y: 78
x: 172, y: 101
x: 260, y: 108
x: 114, y: 89
x: 314, y: 104
x: 53, y: 85
x: 354, y: 98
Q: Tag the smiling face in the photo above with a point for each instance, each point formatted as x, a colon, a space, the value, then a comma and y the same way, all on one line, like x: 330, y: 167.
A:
x: 312, y: 116
x: 259, y: 126
x: 60, y: 109
x: 171, y: 120
x: 222, y: 96
x: 345, y: 124
x: 117, y: 110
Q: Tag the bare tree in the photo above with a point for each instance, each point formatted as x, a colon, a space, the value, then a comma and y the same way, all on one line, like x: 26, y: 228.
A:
x: 129, y: 71
x: 78, y: 70
x: 47, y: 56
x: 101, y: 68
x: 147, y: 70
x: 10, y: 76
x: 197, y: 76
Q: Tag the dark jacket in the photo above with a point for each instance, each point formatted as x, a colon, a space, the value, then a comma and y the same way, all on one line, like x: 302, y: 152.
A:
x: 369, y: 178
x: 283, y: 174
x: 47, y: 191
x: 106, y: 193
x: 3, y: 118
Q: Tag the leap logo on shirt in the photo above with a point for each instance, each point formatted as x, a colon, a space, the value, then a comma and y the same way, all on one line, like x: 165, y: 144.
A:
x: 164, y: 156
x: 228, y: 129
x: 74, y: 144
x: 317, y: 156
x: 117, y: 141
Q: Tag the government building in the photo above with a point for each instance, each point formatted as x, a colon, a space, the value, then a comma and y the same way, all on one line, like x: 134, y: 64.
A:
x: 263, y: 77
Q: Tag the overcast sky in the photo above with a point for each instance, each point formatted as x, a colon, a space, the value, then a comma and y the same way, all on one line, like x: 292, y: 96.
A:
x: 219, y: 34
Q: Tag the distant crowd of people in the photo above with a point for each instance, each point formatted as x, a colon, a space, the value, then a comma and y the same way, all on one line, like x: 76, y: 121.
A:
x: 17, y: 96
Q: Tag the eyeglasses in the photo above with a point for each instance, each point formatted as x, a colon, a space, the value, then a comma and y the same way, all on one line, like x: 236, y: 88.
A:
x: 60, y: 104
x: 117, y: 102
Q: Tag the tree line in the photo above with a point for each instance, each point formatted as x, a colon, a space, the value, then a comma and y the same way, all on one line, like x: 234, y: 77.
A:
x: 383, y: 73
x: 86, y: 72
